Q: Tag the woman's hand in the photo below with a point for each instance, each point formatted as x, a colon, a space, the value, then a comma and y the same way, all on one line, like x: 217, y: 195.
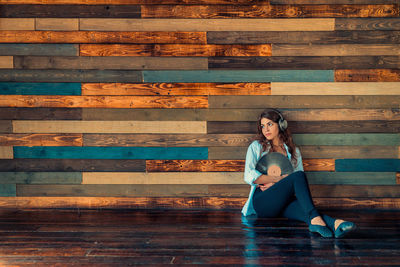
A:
x: 264, y: 187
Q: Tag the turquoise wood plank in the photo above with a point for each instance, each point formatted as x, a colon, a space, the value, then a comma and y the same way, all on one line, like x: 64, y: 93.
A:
x: 347, y: 139
x: 39, y: 50
x: 111, y: 152
x: 367, y: 165
x: 239, y: 76
x: 40, y: 89
x: 40, y: 178
x: 355, y: 178
x: 8, y: 190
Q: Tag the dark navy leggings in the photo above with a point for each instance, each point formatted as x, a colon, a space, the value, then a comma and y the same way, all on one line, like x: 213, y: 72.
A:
x: 290, y: 198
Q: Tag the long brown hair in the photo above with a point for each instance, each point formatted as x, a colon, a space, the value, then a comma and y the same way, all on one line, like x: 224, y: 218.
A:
x: 285, y: 136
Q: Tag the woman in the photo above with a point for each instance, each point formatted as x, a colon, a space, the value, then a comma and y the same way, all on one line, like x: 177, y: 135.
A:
x: 287, y: 195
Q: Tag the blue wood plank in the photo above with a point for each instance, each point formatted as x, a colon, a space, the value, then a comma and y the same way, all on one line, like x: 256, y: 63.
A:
x: 39, y: 50
x: 367, y: 139
x: 111, y: 152
x: 367, y: 165
x: 8, y: 190
x: 40, y: 89
x: 239, y: 76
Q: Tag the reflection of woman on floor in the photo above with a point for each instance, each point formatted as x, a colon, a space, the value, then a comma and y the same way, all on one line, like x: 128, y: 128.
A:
x: 287, y: 195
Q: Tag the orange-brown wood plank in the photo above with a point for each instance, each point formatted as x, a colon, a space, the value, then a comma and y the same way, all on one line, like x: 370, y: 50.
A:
x: 269, y: 11
x: 398, y: 178
x: 104, y: 101
x: 176, y: 89
x: 367, y: 75
x: 102, y: 37
x: 174, y: 50
x: 41, y: 140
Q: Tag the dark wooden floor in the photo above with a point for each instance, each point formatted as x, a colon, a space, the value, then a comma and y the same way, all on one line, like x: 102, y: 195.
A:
x: 157, y: 237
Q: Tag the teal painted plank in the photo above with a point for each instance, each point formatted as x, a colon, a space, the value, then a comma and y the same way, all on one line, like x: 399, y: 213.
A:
x: 111, y: 152
x: 367, y: 165
x: 40, y: 177
x: 240, y: 76
x: 8, y: 190
x: 40, y: 89
x: 39, y: 50
x: 347, y: 139
x: 355, y: 178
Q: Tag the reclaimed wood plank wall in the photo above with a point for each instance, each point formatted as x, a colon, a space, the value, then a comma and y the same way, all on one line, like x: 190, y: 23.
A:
x: 144, y: 103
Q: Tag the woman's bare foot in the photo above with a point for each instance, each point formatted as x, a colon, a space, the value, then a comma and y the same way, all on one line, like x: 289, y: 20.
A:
x: 319, y: 221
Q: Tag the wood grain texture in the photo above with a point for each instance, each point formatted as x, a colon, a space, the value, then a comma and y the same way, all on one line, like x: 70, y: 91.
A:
x: 39, y: 49
x: 126, y: 2
x: 6, y: 126
x: 282, y: 102
x: 352, y: 178
x: 41, y: 178
x: 325, y: 24
x: 6, y: 62
x: 231, y: 153
x: 367, y: 75
x: 367, y: 24
x: 41, y: 113
x: 367, y: 165
x: 335, y: 2
x: 41, y: 139
x: 6, y: 152
x: 347, y: 139
x: 110, y: 63
x: 102, y: 37
x: 40, y: 88
x: 398, y: 178
x: 175, y: 88
x: 269, y: 11
x: 55, y: 126
x: 105, y: 101
x: 336, y: 88
x: 56, y: 24
x: 17, y: 24
x: 341, y: 114
x: 174, y: 50
x: 7, y: 190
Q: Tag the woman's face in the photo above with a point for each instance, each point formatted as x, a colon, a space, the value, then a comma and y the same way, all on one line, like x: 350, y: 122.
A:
x: 270, y: 129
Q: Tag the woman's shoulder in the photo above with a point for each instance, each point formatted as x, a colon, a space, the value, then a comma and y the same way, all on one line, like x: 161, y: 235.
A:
x: 255, y: 144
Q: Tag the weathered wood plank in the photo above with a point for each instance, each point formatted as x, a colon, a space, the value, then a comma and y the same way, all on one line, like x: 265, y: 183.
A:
x: 105, y: 101
x: 17, y: 24
x: 174, y: 50
x: 269, y: 11
x: 62, y: 126
x: 6, y: 126
x: 340, y: 114
x: 367, y: 75
x: 6, y: 62
x: 128, y: 2
x: 282, y: 102
x: 8, y: 190
x: 39, y: 49
x: 231, y: 153
x: 56, y: 24
x: 110, y: 63
x: 367, y: 24
x: 352, y: 178
x: 398, y: 178
x: 302, y: 37
x: 41, y: 113
x: 228, y: 76
x: 40, y: 89
x: 368, y: 165
x: 336, y: 88
x: 175, y: 88
x: 6, y: 152
x: 347, y: 139
x: 103, y: 37
x: 70, y: 76
x: 325, y: 24
x: 41, y: 139
x: 111, y: 152
x: 331, y: 2
x: 41, y: 178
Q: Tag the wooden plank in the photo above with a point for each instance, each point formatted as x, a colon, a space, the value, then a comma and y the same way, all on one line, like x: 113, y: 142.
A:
x: 71, y: 165
x: 62, y: 126
x: 269, y: 11
x: 41, y: 178
x: 175, y: 88
x: 306, y: 63
x: 239, y: 76
x: 70, y: 76
x: 327, y: 24
x: 282, y: 102
x: 368, y: 165
x: 41, y: 113
x: 336, y: 88
x: 174, y: 50
x: 302, y: 37
x: 352, y: 178
x: 40, y: 88
x: 39, y: 49
x: 6, y: 62
x: 347, y: 139
x: 175, y: 140
x: 122, y: 2
x: 111, y: 152
x: 105, y: 101
x: 6, y: 152
x: 6, y: 126
x: 336, y: 50
x: 110, y: 63
x: 14, y: 24
x: 41, y: 139
x: 70, y: 11
x: 398, y: 178
x: 367, y: 24
x: 340, y: 114
x: 331, y: 2
x: 103, y: 37
x: 8, y: 190
x: 231, y: 153
x: 56, y: 24
x: 367, y: 75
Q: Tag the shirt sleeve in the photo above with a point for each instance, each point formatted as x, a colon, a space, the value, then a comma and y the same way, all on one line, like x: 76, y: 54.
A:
x: 250, y: 172
x: 299, y: 166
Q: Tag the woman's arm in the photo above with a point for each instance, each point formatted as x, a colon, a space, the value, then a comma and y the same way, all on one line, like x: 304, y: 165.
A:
x: 267, y: 179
